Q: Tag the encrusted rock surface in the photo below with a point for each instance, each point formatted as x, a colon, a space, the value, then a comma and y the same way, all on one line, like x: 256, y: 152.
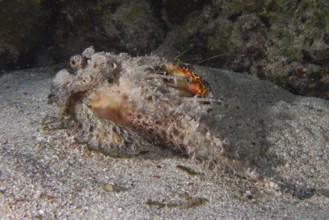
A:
x: 49, y: 174
x: 120, y: 26
x: 22, y: 25
x: 286, y: 42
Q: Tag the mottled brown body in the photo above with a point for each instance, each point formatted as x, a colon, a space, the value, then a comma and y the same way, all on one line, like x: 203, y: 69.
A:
x: 122, y: 104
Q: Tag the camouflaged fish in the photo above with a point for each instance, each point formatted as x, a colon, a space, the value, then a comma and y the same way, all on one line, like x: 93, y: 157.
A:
x: 124, y: 106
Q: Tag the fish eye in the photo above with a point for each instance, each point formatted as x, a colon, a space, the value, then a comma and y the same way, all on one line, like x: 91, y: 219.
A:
x: 113, y: 65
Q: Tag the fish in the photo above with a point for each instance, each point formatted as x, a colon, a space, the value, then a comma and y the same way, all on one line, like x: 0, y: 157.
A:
x: 120, y: 104
x: 127, y: 106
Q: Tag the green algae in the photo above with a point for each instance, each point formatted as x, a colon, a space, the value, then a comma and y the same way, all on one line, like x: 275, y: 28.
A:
x: 136, y: 12
x: 235, y: 7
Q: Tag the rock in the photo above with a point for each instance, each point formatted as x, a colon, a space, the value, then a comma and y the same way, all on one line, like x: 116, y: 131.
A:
x: 126, y: 26
x: 21, y: 32
x: 279, y: 41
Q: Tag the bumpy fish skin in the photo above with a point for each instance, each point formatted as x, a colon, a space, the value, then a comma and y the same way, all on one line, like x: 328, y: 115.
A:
x: 122, y: 107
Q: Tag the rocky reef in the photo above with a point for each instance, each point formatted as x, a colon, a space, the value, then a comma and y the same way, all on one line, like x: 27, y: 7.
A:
x: 285, y: 42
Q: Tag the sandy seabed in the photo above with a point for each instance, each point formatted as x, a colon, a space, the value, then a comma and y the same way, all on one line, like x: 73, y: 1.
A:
x: 49, y: 175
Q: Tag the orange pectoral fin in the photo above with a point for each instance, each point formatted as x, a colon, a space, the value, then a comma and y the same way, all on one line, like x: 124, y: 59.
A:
x: 198, y: 89
x: 174, y: 70
x: 182, y: 87
x: 109, y: 109
x: 187, y: 82
x: 189, y: 89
